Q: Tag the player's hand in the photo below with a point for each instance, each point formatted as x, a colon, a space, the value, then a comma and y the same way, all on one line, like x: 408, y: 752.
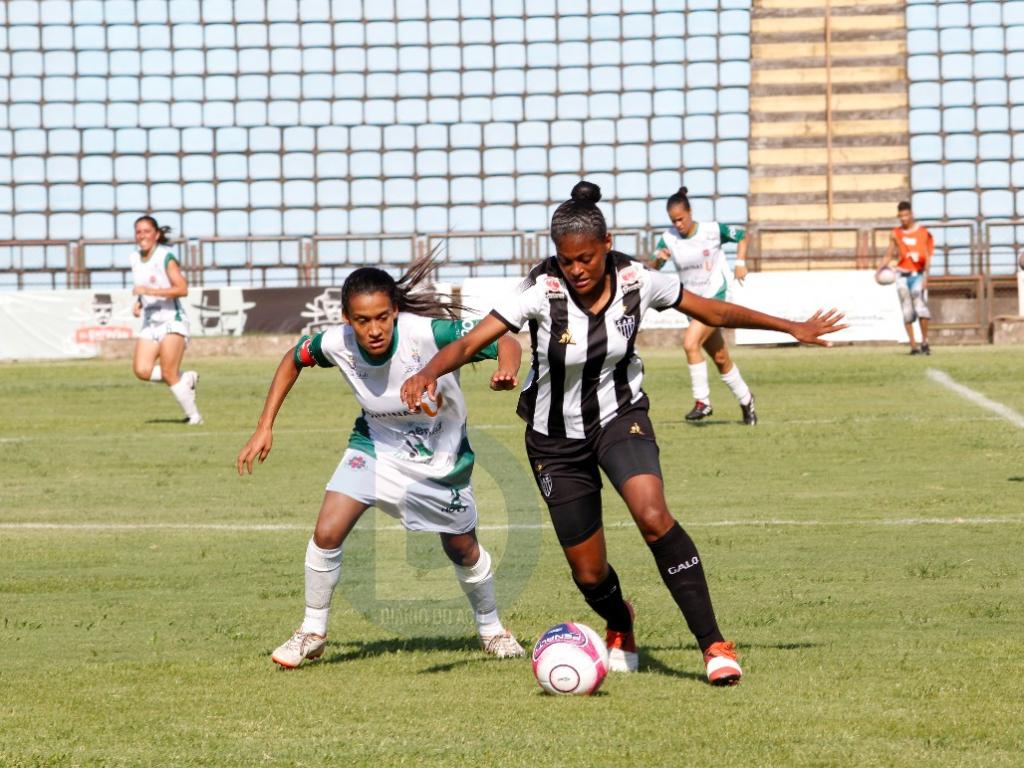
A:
x: 136, y: 309
x: 504, y: 380
x: 817, y: 325
x: 414, y: 388
x: 257, y: 448
x: 741, y: 272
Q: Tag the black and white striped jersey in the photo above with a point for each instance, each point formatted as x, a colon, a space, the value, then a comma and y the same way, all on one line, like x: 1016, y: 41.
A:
x: 585, y: 368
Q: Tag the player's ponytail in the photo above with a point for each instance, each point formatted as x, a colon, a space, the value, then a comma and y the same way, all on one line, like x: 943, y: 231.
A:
x: 681, y: 197
x: 580, y: 215
x: 410, y: 293
x: 161, y: 232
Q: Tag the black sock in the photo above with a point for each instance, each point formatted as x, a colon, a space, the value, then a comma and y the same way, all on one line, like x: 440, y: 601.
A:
x: 606, y: 600
x: 680, y: 568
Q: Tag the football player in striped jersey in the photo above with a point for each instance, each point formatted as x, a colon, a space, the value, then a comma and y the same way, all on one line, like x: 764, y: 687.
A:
x: 585, y: 409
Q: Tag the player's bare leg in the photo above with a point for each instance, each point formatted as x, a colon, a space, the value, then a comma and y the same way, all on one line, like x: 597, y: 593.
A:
x: 680, y: 567
x: 714, y: 345
x: 338, y: 515
x: 473, y: 570
x: 914, y: 349
x: 171, y: 351
x: 144, y: 360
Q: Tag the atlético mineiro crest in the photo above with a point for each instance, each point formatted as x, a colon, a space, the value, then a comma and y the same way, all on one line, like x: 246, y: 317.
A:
x: 357, y: 462
x: 626, y: 325
x: 546, y: 484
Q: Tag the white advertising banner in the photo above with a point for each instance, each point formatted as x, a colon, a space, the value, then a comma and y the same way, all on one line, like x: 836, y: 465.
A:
x: 872, y: 310
x: 47, y: 325
x: 40, y: 325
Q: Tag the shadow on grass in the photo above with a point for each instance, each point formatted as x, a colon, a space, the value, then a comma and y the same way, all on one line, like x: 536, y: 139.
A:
x: 165, y: 421
x: 353, y: 651
x: 1016, y: 479
x: 652, y: 664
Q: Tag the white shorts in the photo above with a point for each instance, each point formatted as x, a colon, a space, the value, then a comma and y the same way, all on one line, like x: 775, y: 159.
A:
x: 157, y: 331
x: 421, y: 505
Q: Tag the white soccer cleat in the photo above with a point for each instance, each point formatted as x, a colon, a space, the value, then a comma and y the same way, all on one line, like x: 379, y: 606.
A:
x: 194, y: 420
x: 300, y: 646
x: 502, y: 646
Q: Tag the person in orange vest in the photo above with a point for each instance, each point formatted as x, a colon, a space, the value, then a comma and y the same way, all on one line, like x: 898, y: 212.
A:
x: 910, y: 252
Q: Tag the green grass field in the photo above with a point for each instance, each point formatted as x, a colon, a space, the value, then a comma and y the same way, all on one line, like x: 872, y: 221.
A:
x: 864, y: 547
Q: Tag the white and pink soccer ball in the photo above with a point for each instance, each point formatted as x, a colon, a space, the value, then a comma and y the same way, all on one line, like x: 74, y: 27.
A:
x: 570, y: 659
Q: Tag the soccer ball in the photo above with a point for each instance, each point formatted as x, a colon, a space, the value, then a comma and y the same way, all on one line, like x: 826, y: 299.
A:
x: 885, y: 276
x: 570, y: 658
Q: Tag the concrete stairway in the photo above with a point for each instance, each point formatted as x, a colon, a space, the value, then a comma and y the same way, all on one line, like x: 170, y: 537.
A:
x: 829, y: 137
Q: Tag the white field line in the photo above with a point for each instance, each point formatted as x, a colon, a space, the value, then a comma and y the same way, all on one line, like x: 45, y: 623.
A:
x: 1003, y: 411
x: 279, y: 527
x: 342, y: 432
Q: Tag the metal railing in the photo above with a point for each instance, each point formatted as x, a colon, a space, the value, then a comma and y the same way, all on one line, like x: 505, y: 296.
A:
x: 963, y: 248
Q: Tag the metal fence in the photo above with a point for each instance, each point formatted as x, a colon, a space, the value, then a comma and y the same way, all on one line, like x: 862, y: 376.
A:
x: 962, y: 249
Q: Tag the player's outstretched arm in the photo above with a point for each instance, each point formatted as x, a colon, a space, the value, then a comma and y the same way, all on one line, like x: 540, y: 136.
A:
x: 723, y: 314
x: 258, y: 447
x: 450, y: 358
x: 510, y: 356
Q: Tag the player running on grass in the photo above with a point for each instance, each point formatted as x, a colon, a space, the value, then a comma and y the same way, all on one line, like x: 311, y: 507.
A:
x: 159, y: 284
x: 414, y: 466
x: 696, y: 249
x: 585, y: 408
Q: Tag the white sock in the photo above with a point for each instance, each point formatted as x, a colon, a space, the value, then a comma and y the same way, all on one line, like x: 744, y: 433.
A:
x: 699, y: 382
x: 156, y: 374
x: 735, y: 382
x: 323, y: 569
x: 185, y: 396
x: 477, y: 581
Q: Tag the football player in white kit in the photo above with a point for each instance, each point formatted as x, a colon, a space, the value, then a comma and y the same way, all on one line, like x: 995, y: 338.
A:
x: 159, y: 286
x: 696, y: 249
x: 415, y: 467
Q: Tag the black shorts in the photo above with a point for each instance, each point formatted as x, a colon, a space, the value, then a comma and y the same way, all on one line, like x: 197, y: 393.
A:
x: 567, y: 469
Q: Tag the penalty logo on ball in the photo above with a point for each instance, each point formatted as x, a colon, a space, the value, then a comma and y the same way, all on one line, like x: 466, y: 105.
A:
x: 570, y: 658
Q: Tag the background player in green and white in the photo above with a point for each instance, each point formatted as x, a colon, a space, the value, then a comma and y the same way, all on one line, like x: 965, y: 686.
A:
x: 696, y: 250
x: 415, y: 466
x: 159, y: 286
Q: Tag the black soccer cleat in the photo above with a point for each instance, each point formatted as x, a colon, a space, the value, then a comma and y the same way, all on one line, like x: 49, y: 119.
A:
x: 915, y: 351
x: 925, y: 349
x: 700, y: 411
x: 749, y: 414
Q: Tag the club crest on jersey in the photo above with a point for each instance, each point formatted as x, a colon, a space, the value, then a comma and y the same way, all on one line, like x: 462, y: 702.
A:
x: 626, y: 325
x: 546, y: 484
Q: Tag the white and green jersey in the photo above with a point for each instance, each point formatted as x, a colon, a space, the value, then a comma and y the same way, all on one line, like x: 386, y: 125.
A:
x: 430, y: 444
x: 152, y: 273
x: 699, y: 258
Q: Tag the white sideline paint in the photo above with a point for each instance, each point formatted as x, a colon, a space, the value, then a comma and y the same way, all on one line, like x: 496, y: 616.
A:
x: 279, y: 527
x: 342, y: 433
x: 1004, y: 411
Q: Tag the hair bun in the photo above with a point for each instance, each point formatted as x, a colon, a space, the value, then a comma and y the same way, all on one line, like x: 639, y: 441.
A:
x: 586, y: 192
x: 683, y: 191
